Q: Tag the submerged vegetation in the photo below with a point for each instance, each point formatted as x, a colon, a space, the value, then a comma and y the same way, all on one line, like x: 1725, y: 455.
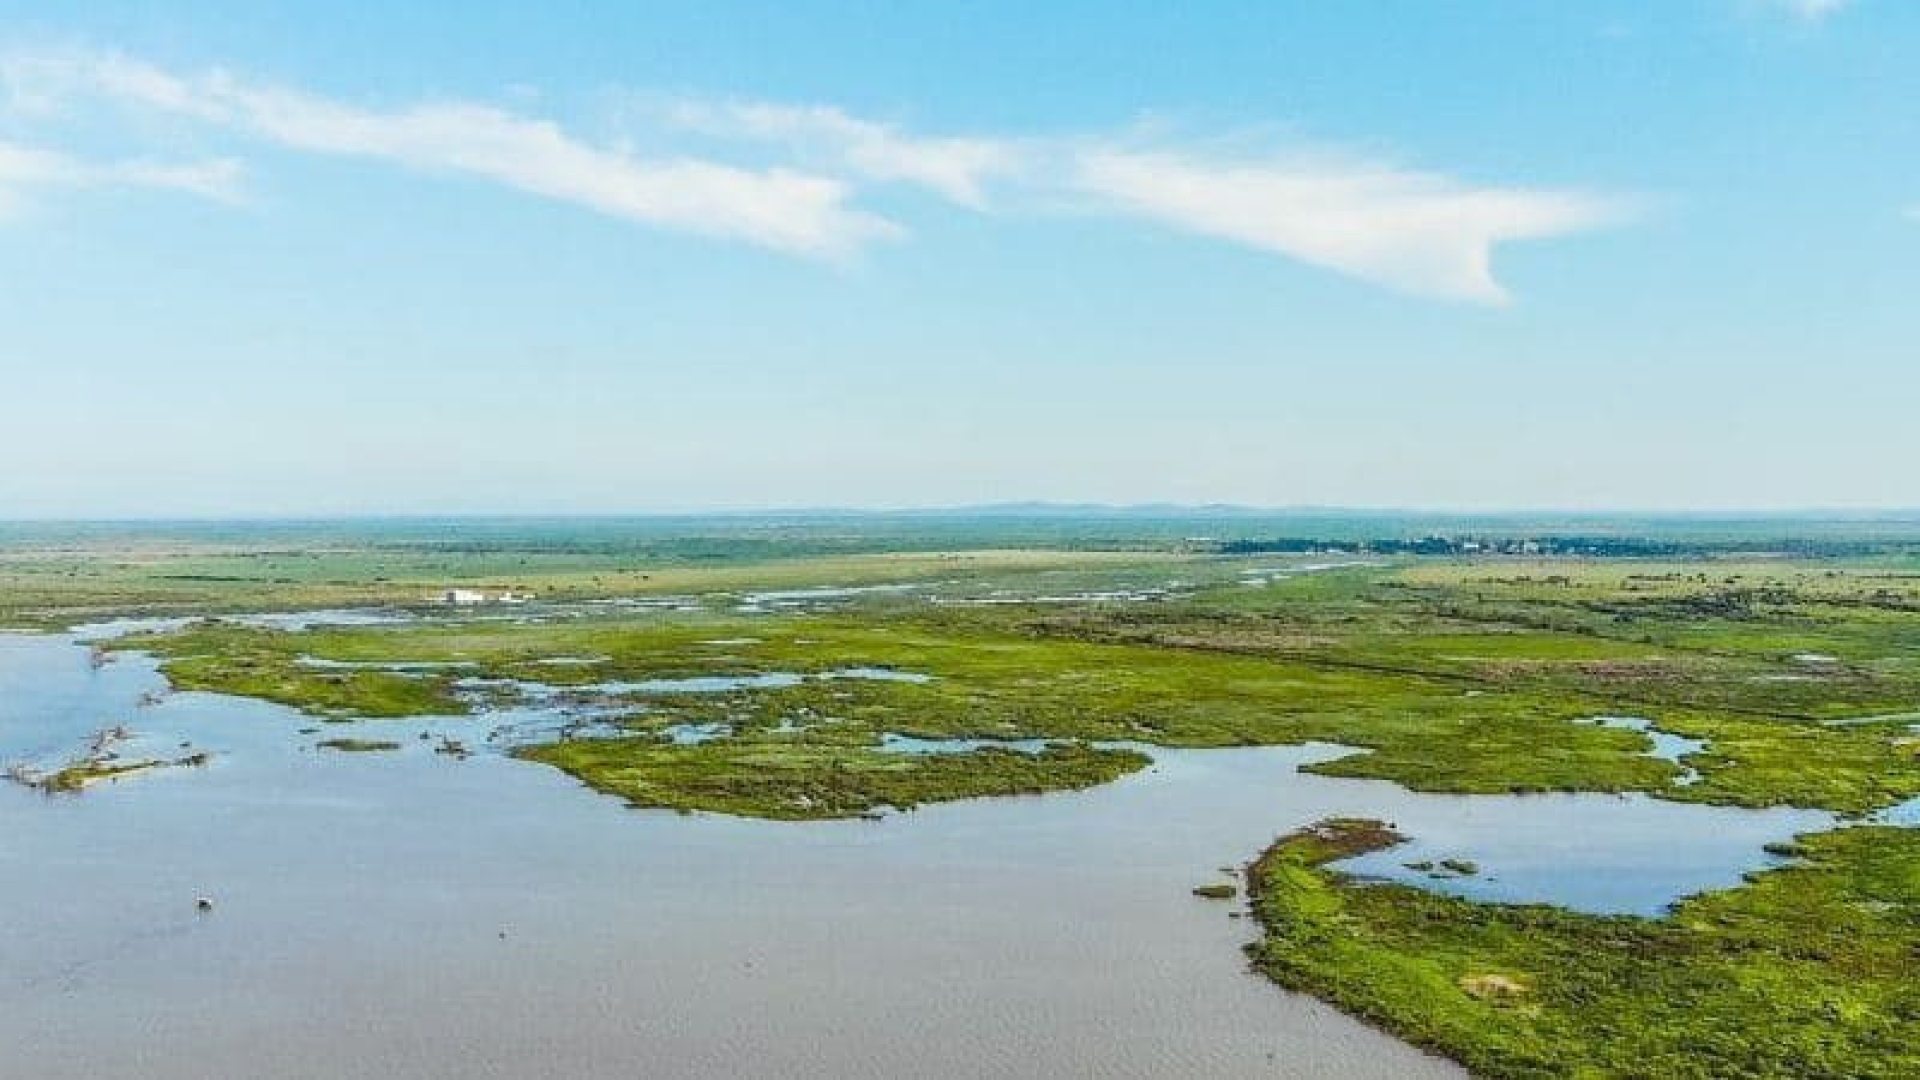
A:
x: 101, y: 762
x: 1805, y: 971
x: 80, y: 775
x: 358, y: 746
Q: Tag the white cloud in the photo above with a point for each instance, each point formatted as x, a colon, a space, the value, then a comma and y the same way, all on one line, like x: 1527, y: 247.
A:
x: 1413, y: 231
x: 1419, y: 232
x: 777, y: 208
x: 26, y: 169
x: 1410, y: 230
x: 956, y: 168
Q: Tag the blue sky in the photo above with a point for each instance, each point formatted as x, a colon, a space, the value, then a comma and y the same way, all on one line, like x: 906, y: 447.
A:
x: 611, y: 257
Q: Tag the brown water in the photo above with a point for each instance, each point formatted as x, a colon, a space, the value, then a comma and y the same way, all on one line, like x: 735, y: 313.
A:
x: 410, y: 914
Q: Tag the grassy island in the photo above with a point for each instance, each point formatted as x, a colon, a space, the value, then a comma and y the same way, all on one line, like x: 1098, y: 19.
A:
x: 798, y: 780
x: 1806, y: 971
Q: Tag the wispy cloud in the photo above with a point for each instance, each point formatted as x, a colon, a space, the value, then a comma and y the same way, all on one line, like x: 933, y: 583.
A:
x: 27, y: 169
x: 777, y: 207
x: 954, y: 167
x: 1414, y: 231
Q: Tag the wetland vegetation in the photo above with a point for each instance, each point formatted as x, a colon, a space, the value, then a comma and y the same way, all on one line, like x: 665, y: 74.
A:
x: 808, y: 671
x: 358, y: 746
x: 798, y: 779
x: 1462, y: 676
x: 101, y: 761
x: 1805, y: 971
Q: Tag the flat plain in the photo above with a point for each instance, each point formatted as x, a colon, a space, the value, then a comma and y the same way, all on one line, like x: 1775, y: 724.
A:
x: 796, y: 671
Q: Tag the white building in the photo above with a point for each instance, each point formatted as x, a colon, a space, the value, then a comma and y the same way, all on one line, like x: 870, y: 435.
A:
x: 464, y: 597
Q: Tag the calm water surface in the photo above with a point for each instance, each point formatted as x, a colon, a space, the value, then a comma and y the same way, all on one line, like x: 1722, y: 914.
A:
x: 413, y: 914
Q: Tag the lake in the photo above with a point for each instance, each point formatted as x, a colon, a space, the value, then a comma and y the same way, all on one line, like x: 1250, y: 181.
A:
x: 415, y: 914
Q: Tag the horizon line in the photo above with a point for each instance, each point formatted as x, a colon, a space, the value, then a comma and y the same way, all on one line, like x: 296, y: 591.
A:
x: 1038, y: 508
